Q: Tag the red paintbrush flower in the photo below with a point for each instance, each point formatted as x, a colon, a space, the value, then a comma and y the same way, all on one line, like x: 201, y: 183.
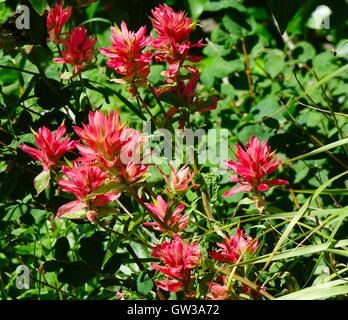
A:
x: 171, y: 26
x: 218, y: 290
x: 234, y: 247
x: 254, y: 163
x: 79, y: 49
x: 178, y: 181
x: 56, y: 19
x: 173, y: 219
x: 103, y: 138
x: 111, y: 146
x: 82, y: 181
x: 51, y: 145
x: 126, y: 55
x: 179, y: 258
x: 173, y: 30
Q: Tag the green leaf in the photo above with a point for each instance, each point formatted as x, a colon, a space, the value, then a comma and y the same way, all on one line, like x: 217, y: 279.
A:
x: 76, y: 274
x: 319, y: 150
x: 249, y: 130
x: 144, y: 283
x: 97, y: 20
x: 324, y: 63
x: 274, y: 62
x: 114, y: 263
x: 223, y: 4
x: 51, y: 94
x: 52, y: 266
x: 92, y: 9
x: 232, y: 27
x: 38, y: 214
x: 42, y: 181
x: 266, y: 108
x: 155, y: 74
x: 299, y: 214
x: 217, y: 67
x: 196, y: 7
x: 39, y: 6
x: 321, y: 291
x: 91, y: 251
x: 303, y: 52
x: 171, y: 98
x: 318, y: 84
x: 14, y: 212
x: 284, y: 11
x: 292, y: 253
x: 61, y: 249
x: 301, y: 170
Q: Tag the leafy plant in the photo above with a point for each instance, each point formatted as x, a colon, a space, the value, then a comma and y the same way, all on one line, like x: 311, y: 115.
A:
x: 100, y: 200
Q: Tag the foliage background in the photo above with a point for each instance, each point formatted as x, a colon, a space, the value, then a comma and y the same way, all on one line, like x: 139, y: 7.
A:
x: 296, y: 99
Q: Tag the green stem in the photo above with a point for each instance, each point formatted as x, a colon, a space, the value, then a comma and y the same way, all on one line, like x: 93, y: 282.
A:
x: 84, y: 89
x: 146, y: 107
x: 157, y: 99
x: 18, y: 69
x: 121, y: 235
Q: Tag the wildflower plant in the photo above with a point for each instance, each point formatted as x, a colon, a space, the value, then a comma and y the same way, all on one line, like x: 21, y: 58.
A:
x: 126, y: 220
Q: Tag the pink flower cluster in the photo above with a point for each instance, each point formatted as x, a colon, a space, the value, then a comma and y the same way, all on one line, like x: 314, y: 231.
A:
x: 132, y: 52
x: 219, y: 289
x: 178, y: 181
x: 109, y: 145
x: 173, y: 38
x: 52, y: 146
x: 57, y: 17
x: 111, y: 156
x: 109, y: 152
x: 126, y: 55
x: 78, y: 46
x: 78, y: 50
x: 82, y: 181
x: 234, y: 247
x: 232, y: 250
x: 254, y: 163
x: 172, y: 219
x: 172, y: 45
x: 179, y: 258
x: 169, y: 218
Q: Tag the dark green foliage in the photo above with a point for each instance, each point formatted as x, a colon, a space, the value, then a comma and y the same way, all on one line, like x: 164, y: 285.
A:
x: 289, y: 88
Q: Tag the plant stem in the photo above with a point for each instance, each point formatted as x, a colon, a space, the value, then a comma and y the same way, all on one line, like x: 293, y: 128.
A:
x: 57, y: 289
x: 253, y: 286
x: 18, y: 69
x: 121, y: 234
x: 156, y: 98
x: 135, y: 257
x: 84, y: 89
x: 146, y: 107
x: 247, y: 70
x: 205, y: 200
x: 315, y: 140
